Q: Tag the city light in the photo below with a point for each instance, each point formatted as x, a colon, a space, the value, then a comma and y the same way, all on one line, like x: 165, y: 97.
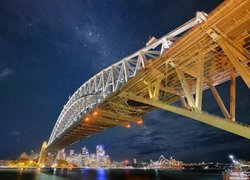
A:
x: 128, y: 126
x: 236, y: 162
x: 95, y: 113
x: 84, y: 159
x: 139, y: 122
x: 126, y: 161
x: 86, y: 119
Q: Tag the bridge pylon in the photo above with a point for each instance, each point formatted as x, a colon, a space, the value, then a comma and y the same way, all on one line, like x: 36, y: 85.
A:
x: 42, y: 156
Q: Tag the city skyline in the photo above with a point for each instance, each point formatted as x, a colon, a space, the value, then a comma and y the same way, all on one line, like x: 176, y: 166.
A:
x: 43, y: 63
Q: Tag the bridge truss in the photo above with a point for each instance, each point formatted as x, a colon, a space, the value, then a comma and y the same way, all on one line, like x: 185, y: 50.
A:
x: 204, y: 52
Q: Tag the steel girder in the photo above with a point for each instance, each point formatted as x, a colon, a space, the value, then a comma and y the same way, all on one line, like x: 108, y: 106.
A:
x: 166, y: 71
x: 97, y: 88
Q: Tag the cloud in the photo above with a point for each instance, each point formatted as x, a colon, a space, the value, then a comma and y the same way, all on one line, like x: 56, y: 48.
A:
x: 5, y: 74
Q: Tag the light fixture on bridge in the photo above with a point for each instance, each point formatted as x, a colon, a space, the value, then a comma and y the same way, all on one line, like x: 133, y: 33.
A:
x: 86, y: 119
x: 95, y: 113
x: 139, y: 122
x: 128, y: 126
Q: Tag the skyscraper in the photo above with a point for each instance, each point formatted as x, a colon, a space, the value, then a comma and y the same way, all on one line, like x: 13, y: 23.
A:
x: 85, y: 157
x: 61, y: 155
x: 100, y: 153
x: 71, y: 152
x: 135, y: 161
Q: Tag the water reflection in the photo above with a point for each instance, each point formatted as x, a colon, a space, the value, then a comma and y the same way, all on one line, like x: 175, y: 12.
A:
x: 20, y: 173
x: 107, y: 174
x: 157, y: 174
x: 101, y: 174
x: 85, y: 171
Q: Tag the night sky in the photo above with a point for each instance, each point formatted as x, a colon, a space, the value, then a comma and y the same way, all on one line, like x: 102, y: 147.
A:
x: 49, y: 48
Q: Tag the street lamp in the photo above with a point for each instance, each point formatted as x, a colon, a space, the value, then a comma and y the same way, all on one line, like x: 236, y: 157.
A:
x: 231, y: 157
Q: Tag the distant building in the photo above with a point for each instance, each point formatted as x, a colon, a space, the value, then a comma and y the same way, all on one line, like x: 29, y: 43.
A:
x: 85, y: 157
x: 24, y: 155
x: 100, y: 153
x: 3, y: 163
x: 93, y: 160
x: 135, y: 161
x: 164, y: 163
x: 71, y: 152
x: 33, y: 155
x: 74, y: 159
x: 107, y: 161
x: 61, y: 155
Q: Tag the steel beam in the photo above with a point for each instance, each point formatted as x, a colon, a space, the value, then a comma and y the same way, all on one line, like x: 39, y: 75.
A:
x: 112, y: 115
x: 185, y: 87
x: 170, y: 90
x: 233, y: 52
x: 199, y: 85
x: 113, y: 77
x: 109, y: 121
x: 166, y: 73
x: 232, y: 20
x: 236, y: 58
x: 219, y: 100
x: 42, y: 156
x: 232, y: 95
x: 218, y: 122
x: 124, y: 109
x: 183, y: 102
x: 154, y: 89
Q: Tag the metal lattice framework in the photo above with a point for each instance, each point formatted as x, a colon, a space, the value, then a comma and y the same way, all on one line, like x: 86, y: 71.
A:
x: 177, y: 67
x: 94, y: 91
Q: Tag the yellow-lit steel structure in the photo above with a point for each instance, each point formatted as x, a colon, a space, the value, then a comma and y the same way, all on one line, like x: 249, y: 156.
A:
x: 42, y: 155
x: 214, y: 49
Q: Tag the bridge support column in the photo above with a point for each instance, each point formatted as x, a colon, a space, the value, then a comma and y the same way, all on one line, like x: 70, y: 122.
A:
x: 199, y: 85
x: 232, y: 95
x: 219, y: 100
x: 183, y: 102
x: 218, y: 122
x: 42, y: 156
x: 166, y: 76
x: 154, y: 86
x: 154, y: 89
x: 185, y: 87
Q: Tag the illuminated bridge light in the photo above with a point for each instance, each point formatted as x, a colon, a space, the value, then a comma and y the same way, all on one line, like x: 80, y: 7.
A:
x: 128, y: 126
x: 139, y: 122
x: 86, y: 119
x: 95, y: 113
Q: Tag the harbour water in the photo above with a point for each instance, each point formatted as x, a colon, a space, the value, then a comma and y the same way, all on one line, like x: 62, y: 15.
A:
x: 109, y: 174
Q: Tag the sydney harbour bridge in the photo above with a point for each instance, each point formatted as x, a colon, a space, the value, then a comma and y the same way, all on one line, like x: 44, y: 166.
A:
x: 204, y: 52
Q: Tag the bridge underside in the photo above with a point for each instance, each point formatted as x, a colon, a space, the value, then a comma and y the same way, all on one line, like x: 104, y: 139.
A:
x: 213, y: 52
